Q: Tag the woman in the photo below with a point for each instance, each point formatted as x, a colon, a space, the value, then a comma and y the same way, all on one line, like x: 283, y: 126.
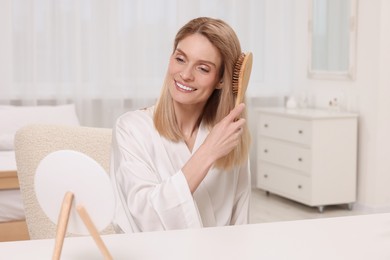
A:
x: 183, y: 163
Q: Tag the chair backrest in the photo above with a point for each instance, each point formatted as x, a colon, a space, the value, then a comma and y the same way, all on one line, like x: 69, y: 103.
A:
x: 33, y: 143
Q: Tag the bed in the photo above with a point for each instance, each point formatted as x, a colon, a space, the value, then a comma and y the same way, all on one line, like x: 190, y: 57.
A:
x: 12, y: 220
x: 12, y: 224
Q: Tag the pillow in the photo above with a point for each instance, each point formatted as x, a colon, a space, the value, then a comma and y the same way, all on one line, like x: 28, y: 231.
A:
x: 14, y: 117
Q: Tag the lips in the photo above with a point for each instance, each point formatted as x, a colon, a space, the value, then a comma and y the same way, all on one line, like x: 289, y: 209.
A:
x: 183, y: 87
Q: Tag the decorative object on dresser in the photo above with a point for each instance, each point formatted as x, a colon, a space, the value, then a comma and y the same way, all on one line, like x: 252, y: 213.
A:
x: 308, y: 155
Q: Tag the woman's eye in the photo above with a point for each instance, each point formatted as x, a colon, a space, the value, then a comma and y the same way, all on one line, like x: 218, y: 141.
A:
x: 179, y: 59
x: 204, y: 69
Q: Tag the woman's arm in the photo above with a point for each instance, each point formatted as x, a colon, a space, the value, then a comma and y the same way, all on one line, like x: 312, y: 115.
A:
x: 223, y: 138
x: 153, y: 203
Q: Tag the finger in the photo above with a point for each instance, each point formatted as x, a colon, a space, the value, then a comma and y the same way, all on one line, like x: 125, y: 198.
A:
x: 239, y: 123
x: 236, y: 112
x: 239, y: 130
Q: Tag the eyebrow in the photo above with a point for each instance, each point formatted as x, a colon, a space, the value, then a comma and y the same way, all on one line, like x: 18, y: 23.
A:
x: 201, y: 61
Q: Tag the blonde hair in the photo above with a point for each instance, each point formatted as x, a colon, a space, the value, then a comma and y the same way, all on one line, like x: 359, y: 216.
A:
x: 221, y: 101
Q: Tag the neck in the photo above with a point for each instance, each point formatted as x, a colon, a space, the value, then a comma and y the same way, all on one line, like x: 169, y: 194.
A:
x: 188, y: 119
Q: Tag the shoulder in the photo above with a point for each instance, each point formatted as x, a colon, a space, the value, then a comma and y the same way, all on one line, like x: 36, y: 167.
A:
x: 141, y: 116
x: 137, y: 121
x: 135, y: 130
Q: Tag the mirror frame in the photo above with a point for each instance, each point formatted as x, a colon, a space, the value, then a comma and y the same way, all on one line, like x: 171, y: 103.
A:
x: 349, y: 74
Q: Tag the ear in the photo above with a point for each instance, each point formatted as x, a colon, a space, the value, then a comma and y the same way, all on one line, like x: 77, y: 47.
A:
x: 219, y: 85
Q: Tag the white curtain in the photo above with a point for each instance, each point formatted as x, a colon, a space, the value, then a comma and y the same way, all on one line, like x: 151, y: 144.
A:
x: 110, y: 56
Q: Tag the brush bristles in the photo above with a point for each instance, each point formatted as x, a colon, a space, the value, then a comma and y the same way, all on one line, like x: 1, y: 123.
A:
x: 236, y: 73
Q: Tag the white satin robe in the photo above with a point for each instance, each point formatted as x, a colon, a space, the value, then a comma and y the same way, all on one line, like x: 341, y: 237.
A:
x: 152, y: 192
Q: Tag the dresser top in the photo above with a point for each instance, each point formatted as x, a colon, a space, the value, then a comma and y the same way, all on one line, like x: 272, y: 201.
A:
x: 306, y: 113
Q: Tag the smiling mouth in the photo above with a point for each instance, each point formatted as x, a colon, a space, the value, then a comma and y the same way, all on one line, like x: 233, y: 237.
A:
x: 183, y: 87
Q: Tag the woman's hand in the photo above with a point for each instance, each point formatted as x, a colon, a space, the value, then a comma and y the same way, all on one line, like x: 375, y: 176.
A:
x: 225, y: 135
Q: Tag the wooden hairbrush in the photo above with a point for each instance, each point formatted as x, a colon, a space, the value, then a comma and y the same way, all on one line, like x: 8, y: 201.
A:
x: 241, y: 75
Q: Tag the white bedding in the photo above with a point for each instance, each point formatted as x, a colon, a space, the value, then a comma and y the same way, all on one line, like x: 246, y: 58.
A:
x: 11, y: 205
x: 7, y: 161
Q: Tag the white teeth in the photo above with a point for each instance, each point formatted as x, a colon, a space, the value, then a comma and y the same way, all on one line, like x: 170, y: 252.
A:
x: 184, y: 87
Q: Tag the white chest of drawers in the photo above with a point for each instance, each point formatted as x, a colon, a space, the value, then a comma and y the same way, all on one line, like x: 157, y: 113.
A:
x: 307, y: 155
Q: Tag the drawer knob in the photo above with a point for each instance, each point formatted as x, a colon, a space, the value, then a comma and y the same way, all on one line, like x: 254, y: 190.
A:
x: 300, y: 159
x: 265, y: 176
x: 299, y: 186
x: 265, y: 150
x: 300, y: 132
x: 265, y: 125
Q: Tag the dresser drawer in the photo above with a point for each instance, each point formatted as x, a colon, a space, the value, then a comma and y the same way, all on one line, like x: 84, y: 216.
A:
x: 308, y: 155
x: 284, y: 154
x: 283, y: 181
x: 288, y: 129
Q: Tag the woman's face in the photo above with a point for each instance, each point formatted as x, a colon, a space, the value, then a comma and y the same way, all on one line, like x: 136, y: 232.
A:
x: 194, y: 68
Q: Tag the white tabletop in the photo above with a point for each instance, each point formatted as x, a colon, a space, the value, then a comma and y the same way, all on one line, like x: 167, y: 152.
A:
x: 357, y: 237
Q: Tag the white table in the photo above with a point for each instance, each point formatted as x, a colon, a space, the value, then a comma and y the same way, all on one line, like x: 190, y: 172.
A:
x: 358, y: 237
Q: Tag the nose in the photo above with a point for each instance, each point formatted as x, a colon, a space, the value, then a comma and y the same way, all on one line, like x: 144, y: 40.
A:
x: 186, y: 74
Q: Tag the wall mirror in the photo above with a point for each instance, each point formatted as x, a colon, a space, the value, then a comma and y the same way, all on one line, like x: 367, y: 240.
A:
x: 332, y: 39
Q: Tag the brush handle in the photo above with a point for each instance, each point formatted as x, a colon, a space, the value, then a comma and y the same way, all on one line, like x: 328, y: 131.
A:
x: 244, y: 76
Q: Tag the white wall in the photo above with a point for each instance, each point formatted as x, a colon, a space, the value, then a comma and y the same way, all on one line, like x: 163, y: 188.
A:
x: 368, y: 94
x: 5, y: 42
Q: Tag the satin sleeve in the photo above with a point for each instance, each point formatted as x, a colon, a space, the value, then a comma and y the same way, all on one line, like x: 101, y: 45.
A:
x: 241, y: 207
x: 149, y: 201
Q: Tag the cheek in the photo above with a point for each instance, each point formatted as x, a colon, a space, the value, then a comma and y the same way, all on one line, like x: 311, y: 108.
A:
x: 210, y: 82
x: 172, y: 67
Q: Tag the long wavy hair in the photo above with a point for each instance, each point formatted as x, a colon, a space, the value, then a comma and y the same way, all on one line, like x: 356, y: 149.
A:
x: 221, y: 101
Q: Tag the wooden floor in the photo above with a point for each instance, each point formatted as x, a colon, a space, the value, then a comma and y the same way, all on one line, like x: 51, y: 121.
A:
x: 272, y: 208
